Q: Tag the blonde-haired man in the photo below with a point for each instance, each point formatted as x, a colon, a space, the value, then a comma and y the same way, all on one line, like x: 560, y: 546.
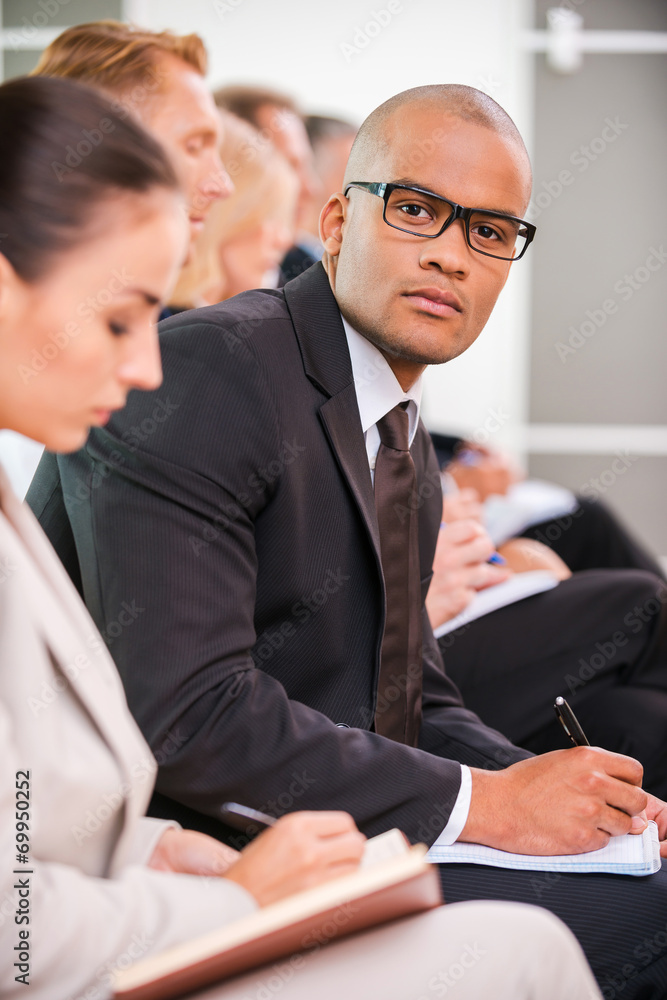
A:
x: 159, y: 77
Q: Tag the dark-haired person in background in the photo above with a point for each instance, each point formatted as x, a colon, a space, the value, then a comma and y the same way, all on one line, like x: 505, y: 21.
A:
x: 331, y: 141
x: 104, y: 885
x: 246, y: 525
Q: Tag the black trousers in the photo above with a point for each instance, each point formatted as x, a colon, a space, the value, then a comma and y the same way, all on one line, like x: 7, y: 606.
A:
x: 600, y: 640
x: 593, y: 538
x: 620, y: 920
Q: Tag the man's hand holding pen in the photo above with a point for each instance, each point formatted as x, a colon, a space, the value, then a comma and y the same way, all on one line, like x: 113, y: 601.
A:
x: 563, y: 802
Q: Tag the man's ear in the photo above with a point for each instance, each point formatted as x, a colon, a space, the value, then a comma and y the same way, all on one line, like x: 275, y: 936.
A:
x: 331, y: 223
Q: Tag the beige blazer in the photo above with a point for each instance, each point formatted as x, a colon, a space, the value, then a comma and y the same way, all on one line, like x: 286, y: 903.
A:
x: 66, y: 732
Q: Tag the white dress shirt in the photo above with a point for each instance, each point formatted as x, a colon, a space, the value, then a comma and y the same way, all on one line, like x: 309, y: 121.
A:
x: 378, y: 391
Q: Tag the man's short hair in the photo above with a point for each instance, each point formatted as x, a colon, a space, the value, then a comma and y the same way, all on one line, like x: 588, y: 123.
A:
x: 456, y: 100
x: 245, y: 102
x: 116, y: 56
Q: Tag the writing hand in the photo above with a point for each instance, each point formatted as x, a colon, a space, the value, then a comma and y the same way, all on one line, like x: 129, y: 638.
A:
x: 656, y: 809
x: 491, y: 472
x: 525, y: 554
x: 463, y: 505
x: 563, y: 802
x: 460, y: 569
x: 191, y: 853
x: 303, y: 849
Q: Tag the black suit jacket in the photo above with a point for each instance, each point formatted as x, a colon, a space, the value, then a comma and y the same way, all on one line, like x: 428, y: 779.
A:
x: 228, y: 547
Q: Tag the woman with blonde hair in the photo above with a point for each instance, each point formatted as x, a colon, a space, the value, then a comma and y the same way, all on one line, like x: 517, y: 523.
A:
x: 245, y: 236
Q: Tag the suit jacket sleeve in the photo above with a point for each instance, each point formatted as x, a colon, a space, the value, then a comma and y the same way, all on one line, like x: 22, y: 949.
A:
x: 170, y: 574
x: 81, y: 926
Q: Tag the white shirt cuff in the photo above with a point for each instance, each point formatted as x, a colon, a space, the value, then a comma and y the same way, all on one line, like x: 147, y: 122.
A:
x: 459, y: 814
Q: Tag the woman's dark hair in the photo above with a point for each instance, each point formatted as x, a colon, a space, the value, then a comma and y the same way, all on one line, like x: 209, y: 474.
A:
x: 66, y: 149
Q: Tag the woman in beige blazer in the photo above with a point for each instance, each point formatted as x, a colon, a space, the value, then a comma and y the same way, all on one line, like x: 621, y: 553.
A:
x: 92, y: 231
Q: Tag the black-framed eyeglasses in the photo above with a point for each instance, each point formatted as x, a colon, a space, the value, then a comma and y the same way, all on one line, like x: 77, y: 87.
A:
x: 420, y: 212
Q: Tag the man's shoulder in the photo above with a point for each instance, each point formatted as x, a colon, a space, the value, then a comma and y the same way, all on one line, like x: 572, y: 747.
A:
x: 250, y: 308
x: 250, y: 330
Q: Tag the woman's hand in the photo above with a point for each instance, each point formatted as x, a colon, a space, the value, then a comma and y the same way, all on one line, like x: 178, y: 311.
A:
x: 485, y: 470
x: 191, y: 853
x: 525, y: 554
x: 462, y: 505
x: 460, y: 569
x: 303, y: 849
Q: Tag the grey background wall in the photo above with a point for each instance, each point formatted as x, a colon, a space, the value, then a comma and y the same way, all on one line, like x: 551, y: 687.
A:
x: 598, y: 346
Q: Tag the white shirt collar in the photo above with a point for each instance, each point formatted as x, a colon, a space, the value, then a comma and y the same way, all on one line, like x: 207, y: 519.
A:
x: 378, y: 390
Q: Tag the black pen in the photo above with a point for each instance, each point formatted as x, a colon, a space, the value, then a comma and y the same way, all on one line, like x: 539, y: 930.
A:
x: 569, y: 722
x: 244, y: 818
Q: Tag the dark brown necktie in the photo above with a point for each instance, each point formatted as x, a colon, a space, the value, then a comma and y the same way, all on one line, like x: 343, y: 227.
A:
x: 398, y: 705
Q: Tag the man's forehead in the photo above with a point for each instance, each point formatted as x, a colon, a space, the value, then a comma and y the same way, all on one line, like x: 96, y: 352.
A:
x: 461, y: 159
x: 184, y: 98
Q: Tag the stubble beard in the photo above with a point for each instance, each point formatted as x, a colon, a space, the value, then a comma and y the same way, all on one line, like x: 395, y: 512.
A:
x: 390, y: 344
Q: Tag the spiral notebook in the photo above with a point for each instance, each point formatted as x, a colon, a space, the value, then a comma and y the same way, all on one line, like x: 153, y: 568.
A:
x: 626, y: 855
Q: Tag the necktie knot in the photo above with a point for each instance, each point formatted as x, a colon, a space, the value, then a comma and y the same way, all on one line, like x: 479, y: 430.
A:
x: 394, y: 428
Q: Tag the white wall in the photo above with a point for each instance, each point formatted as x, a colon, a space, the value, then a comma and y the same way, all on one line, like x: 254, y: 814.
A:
x: 316, y: 51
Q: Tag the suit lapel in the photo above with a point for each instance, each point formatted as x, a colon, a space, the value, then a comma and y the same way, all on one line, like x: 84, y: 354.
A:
x: 326, y: 360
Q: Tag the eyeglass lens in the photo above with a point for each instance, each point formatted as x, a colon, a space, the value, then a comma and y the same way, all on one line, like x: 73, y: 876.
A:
x: 425, y: 215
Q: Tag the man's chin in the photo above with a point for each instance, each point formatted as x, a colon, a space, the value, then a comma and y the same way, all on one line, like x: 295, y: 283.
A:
x: 424, y: 351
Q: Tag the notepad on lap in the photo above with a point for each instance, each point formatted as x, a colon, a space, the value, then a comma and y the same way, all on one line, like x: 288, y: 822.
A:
x: 517, y: 588
x: 627, y: 855
x: 393, y: 881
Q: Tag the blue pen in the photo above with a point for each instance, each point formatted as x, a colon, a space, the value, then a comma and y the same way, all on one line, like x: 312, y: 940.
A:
x: 496, y: 559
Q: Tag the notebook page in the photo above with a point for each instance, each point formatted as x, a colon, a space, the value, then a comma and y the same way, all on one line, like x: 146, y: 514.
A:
x: 626, y: 855
x: 518, y: 587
